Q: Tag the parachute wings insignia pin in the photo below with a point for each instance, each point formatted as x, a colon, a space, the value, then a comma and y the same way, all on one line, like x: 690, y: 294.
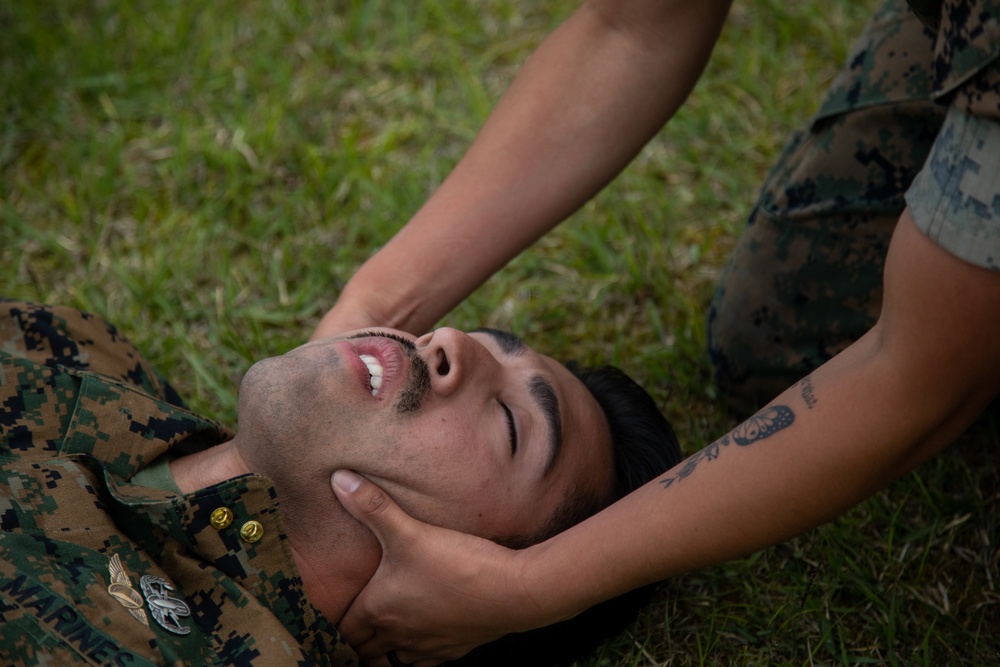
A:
x: 121, y: 590
x: 165, y: 609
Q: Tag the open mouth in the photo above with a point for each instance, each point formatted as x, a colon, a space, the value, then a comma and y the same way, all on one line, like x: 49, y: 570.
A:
x: 374, y: 371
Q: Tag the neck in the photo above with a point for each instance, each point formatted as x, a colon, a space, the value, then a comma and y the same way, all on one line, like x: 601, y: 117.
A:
x: 335, y: 557
x: 207, y: 467
x: 333, y: 577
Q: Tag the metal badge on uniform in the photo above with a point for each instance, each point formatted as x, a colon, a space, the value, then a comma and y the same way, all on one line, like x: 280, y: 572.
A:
x: 165, y: 609
x: 121, y: 590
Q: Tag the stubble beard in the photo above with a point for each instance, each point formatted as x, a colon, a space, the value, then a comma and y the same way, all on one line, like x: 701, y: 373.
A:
x: 417, y: 386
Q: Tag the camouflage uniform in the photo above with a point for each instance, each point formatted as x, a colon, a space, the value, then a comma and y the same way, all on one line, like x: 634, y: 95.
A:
x: 95, y: 569
x: 911, y: 120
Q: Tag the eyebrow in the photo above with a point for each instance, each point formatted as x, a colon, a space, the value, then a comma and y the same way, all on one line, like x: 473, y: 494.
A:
x: 541, y: 391
x: 548, y: 403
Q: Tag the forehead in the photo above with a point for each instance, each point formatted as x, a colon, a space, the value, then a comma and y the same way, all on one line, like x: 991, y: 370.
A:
x: 584, y: 457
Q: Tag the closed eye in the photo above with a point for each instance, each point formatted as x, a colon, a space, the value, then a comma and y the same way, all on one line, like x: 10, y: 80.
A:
x: 511, y: 428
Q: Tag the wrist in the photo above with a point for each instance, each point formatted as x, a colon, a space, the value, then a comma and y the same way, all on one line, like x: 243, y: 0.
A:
x: 375, y: 302
x: 541, y: 597
x: 396, y: 289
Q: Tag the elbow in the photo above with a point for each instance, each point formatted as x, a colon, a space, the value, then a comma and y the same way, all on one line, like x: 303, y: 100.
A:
x: 934, y: 390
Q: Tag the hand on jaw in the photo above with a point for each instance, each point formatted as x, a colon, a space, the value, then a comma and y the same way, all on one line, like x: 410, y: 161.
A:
x: 426, y: 573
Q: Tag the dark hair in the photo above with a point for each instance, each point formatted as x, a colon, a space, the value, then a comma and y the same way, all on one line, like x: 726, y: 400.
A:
x: 644, y: 442
x: 644, y: 446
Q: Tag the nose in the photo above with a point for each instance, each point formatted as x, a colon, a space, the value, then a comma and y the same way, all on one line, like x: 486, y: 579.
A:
x: 455, y: 359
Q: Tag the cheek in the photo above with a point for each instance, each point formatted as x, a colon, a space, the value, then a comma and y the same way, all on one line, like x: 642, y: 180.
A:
x: 443, y: 476
x: 447, y: 452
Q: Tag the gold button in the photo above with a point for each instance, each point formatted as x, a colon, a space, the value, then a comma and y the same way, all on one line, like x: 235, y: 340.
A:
x: 221, y: 518
x: 252, y: 531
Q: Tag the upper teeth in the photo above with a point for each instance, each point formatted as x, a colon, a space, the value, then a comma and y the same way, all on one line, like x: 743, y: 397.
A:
x: 375, y: 370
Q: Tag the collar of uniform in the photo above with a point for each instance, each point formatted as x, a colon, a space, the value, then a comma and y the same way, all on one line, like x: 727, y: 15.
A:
x: 126, y: 429
x: 123, y: 430
x: 265, y: 566
x: 260, y: 561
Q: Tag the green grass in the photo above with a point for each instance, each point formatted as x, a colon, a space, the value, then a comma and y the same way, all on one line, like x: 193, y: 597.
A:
x: 209, y: 175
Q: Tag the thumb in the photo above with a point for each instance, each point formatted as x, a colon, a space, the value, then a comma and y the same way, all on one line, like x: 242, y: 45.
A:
x: 370, y: 505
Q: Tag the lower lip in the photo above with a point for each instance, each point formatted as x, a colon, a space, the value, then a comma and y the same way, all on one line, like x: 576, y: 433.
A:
x: 389, y: 355
x: 350, y: 354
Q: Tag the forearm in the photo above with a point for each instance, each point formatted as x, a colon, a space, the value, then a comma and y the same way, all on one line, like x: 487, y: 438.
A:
x: 581, y: 108
x: 895, y: 398
x: 732, y: 499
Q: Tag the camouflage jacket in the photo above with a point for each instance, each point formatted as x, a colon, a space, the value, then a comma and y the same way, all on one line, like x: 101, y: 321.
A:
x: 95, y: 569
x: 966, y: 48
x: 962, y: 69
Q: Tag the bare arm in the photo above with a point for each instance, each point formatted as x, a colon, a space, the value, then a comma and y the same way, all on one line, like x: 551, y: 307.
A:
x: 890, y: 401
x: 581, y: 108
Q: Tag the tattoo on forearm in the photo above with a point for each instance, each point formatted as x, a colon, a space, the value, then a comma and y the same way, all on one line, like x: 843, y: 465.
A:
x: 762, y: 425
x: 808, y: 393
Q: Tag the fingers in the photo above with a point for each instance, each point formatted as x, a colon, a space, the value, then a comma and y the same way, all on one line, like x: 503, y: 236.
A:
x: 402, y: 658
x: 358, y: 630
x: 371, y: 506
x: 427, y: 589
x: 378, y: 657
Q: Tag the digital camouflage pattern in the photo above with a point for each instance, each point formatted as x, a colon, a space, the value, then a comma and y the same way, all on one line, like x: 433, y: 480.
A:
x: 805, y: 279
x: 80, y: 414
x: 955, y: 199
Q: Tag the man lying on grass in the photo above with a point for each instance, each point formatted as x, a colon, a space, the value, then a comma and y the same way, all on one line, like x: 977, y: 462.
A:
x: 137, y: 532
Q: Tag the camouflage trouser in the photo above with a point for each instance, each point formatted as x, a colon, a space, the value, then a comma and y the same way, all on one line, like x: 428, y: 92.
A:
x: 805, y: 279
